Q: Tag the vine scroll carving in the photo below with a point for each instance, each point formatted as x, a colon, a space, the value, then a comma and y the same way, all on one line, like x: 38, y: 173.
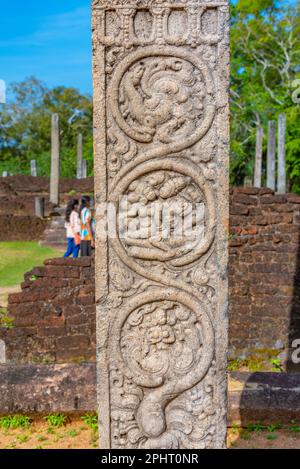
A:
x: 161, y: 142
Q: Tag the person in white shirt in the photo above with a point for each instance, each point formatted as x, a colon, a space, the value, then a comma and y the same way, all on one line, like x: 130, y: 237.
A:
x: 72, y: 225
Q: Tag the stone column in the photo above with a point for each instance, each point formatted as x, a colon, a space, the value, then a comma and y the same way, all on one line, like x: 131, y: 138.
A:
x: 33, y: 169
x: 271, y: 156
x: 84, y: 169
x: 55, y: 160
x: 161, y: 78
x: 2, y: 92
x: 281, y: 181
x: 2, y: 352
x: 79, y: 157
x: 248, y: 181
x: 258, y: 157
x: 39, y: 203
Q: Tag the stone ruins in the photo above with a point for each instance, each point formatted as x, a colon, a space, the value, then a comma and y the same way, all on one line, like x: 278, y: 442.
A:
x: 161, y: 75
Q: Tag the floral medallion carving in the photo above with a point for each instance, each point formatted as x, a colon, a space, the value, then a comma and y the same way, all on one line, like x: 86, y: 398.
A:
x: 165, y: 181
x: 164, y: 343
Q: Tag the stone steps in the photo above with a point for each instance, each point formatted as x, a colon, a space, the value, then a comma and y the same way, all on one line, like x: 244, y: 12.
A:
x: 55, y: 235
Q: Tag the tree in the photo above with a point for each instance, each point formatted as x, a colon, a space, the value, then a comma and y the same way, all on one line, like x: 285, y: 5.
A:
x: 265, y: 45
x: 25, y: 127
x: 265, y: 50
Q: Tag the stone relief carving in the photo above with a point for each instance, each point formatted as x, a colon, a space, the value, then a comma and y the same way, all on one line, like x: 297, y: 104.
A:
x: 188, y: 419
x: 165, y: 347
x: 162, y: 99
x: 162, y: 22
x: 161, y: 148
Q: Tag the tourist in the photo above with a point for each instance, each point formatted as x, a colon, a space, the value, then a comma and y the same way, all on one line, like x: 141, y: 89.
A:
x: 87, y: 237
x: 72, y: 225
x: 93, y: 223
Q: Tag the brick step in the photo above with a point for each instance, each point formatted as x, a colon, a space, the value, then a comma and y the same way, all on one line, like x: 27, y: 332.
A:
x: 54, y: 244
x: 58, y: 223
x: 54, y: 237
x: 55, y: 234
x: 60, y: 233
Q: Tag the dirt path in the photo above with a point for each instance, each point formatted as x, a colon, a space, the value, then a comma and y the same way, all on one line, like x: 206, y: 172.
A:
x: 77, y: 435
x: 74, y: 435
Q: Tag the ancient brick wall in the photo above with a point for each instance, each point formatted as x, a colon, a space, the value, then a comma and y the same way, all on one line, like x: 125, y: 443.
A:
x: 54, y: 316
x: 264, y: 270
x: 17, y: 204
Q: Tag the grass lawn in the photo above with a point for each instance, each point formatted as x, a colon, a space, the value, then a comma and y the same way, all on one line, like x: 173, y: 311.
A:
x: 17, y: 258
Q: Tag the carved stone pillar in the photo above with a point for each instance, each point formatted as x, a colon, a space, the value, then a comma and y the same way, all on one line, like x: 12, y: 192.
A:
x: 161, y: 73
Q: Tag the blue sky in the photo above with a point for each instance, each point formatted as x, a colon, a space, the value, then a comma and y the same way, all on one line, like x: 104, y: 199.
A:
x: 49, y: 39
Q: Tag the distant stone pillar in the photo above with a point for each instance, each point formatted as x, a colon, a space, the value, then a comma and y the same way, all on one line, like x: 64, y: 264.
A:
x: 79, y: 157
x: 2, y: 92
x: 271, y: 157
x: 33, y: 169
x: 281, y: 185
x: 84, y: 169
x: 2, y: 352
x: 39, y: 207
x: 55, y: 160
x: 161, y: 80
x: 248, y: 181
x: 258, y: 157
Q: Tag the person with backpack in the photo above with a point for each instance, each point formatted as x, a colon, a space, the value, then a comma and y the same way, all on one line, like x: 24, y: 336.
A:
x: 72, y: 225
x: 87, y: 236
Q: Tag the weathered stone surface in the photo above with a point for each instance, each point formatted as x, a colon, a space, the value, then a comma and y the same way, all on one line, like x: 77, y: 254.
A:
x: 265, y: 397
x: 53, y: 317
x: 46, y: 389
x: 264, y: 267
x: 161, y: 133
x: 252, y: 397
x: 264, y: 289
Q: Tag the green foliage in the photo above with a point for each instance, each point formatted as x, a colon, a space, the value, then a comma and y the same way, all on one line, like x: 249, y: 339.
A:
x: 91, y: 420
x: 272, y: 436
x: 18, y: 257
x: 56, y: 420
x: 235, y: 364
x: 295, y: 428
x: 25, y: 127
x: 262, y: 359
x: 265, y: 53
x: 252, y: 363
x: 73, y: 433
x: 245, y: 434
x: 276, y: 363
x: 273, y: 427
x: 51, y: 431
x: 235, y: 428
x: 11, y: 422
x: 23, y: 438
x: 6, y: 321
x: 256, y: 427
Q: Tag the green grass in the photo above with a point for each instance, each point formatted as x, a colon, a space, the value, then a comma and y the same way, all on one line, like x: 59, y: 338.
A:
x: 17, y: 258
x: 12, y: 422
x: 56, y: 420
x: 91, y: 420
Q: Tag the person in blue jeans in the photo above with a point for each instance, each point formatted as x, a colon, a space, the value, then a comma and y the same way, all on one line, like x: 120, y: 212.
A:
x: 72, y: 225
